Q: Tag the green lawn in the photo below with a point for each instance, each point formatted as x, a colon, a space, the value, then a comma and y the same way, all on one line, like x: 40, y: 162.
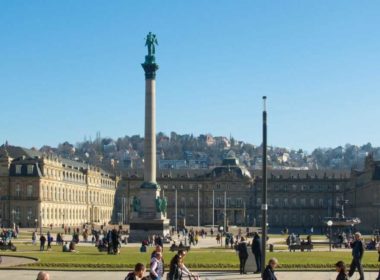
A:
x: 88, y: 258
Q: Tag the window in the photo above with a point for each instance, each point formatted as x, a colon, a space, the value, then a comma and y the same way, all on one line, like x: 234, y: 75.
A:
x: 285, y: 202
x: 276, y: 202
x: 30, y: 169
x: 303, y: 202
x: 312, y: 204
x: 229, y: 202
x: 18, y: 169
x: 218, y: 202
x: 18, y: 190
x: 320, y: 202
x: 29, y: 191
x: 294, y: 201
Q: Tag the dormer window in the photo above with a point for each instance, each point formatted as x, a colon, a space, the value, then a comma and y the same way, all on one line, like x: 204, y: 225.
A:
x: 30, y: 169
x: 18, y: 169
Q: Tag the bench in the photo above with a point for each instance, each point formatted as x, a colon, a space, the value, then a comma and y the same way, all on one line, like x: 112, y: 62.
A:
x: 175, y: 248
x: 302, y: 247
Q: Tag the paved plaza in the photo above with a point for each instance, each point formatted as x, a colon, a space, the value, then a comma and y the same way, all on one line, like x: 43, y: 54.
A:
x: 64, y: 275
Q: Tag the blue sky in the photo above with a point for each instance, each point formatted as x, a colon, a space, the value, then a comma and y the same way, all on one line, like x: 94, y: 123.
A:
x: 71, y: 68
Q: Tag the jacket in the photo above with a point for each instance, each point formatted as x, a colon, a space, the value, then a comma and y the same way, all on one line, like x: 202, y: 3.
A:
x: 130, y: 276
x: 243, y: 250
x: 357, y: 249
x: 342, y: 276
x: 269, y: 274
x: 175, y: 273
x: 256, y: 246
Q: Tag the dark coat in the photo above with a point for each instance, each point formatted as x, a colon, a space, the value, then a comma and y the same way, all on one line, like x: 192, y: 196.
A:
x: 242, y: 249
x: 342, y: 276
x: 131, y: 276
x: 175, y: 273
x: 269, y: 274
x: 256, y: 246
x: 357, y: 249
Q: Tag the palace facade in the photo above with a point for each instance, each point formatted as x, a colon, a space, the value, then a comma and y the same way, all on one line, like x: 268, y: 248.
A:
x: 297, y: 199
x: 38, y: 189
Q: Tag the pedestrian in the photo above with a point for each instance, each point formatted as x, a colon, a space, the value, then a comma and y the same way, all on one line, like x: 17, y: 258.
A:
x: 185, y: 271
x: 156, y: 267
x: 256, y: 250
x: 138, y: 273
x: 159, y: 249
x: 243, y: 254
x: 269, y: 270
x: 378, y: 251
x: 42, y: 242
x: 357, y: 255
x: 175, y: 270
x: 341, y: 269
x: 34, y: 237
x: 42, y: 275
x: 49, y: 239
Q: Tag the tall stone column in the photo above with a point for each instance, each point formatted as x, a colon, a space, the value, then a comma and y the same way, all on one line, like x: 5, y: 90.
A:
x: 150, y: 68
x: 149, y: 209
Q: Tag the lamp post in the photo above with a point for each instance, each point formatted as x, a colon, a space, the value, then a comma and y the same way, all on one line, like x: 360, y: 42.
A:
x: 40, y: 222
x: 264, y: 205
x: 329, y: 224
x: 198, y: 210
x: 176, y: 210
x: 213, y: 209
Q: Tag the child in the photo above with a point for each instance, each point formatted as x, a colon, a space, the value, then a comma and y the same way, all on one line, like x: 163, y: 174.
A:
x: 341, y: 269
x: 137, y: 274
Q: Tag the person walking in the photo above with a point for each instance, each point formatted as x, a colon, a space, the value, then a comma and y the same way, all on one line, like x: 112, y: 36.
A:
x: 175, y: 271
x: 34, y: 237
x: 49, y: 240
x: 42, y: 242
x: 357, y: 255
x: 138, y: 273
x: 269, y: 270
x: 243, y: 254
x: 378, y: 251
x: 256, y: 250
x: 156, y: 267
x: 341, y: 269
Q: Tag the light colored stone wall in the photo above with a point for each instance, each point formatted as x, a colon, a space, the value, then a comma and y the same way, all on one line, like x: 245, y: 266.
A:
x: 62, y: 195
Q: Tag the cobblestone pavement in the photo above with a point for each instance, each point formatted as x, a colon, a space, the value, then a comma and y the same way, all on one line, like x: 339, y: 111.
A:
x: 64, y: 275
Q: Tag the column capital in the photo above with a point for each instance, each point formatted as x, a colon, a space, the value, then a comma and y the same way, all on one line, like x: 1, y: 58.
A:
x: 150, y: 67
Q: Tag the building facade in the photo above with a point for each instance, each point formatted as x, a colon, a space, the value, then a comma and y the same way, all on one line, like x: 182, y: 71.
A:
x: 298, y: 199
x: 363, y: 195
x: 38, y: 189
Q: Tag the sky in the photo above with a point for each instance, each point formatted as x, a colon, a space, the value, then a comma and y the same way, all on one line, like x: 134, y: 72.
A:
x: 69, y: 69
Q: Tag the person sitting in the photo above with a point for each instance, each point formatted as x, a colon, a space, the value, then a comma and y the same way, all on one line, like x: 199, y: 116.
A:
x: 173, y: 246
x: 138, y: 273
x: 42, y: 275
x: 143, y: 248
x: 72, y: 246
x: 341, y: 269
x: 269, y: 270
x: 66, y: 248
